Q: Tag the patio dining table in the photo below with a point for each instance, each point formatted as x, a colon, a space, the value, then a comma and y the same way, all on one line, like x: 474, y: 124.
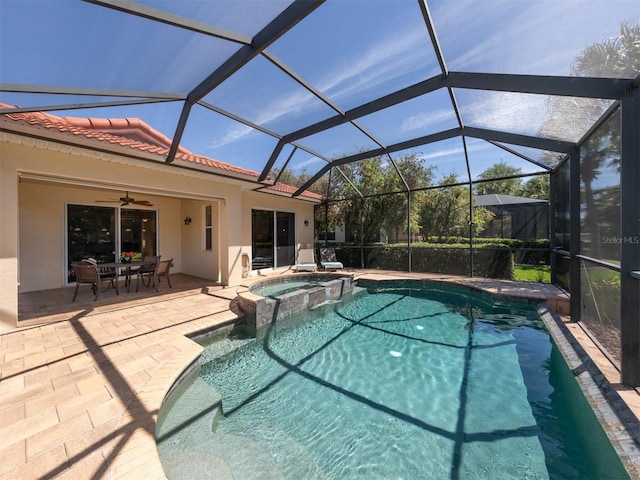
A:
x: 124, y: 268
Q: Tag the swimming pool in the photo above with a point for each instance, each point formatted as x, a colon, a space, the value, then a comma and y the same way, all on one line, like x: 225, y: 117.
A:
x: 400, y: 381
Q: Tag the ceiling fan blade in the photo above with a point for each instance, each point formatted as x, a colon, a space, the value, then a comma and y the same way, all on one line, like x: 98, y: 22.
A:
x: 127, y: 200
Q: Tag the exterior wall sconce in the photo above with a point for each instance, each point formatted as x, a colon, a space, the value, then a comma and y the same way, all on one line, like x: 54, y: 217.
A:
x: 306, y: 223
x: 187, y: 220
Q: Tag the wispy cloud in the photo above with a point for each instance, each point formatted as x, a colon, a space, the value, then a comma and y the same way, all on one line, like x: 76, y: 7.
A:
x: 309, y: 161
x: 503, y: 36
x: 540, y: 37
x: 231, y: 135
x: 453, y: 153
x: 423, y: 120
x: 276, y: 109
x: 391, y: 56
x: 382, y: 61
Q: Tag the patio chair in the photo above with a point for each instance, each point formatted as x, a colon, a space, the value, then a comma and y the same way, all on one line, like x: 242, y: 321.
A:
x: 89, y: 273
x: 149, y: 263
x: 111, y: 275
x: 306, y: 261
x: 106, y: 273
x: 162, y: 269
x: 328, y: 259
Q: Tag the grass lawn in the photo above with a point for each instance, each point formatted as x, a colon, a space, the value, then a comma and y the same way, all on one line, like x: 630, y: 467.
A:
x: 532, y: 273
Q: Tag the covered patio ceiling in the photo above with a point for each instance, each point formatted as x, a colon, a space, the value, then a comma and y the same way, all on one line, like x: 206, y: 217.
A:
x: 307, y: 86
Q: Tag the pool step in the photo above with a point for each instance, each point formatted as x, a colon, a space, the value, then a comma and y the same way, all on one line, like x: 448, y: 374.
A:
x: 229, y: 455
x: 195, y: 441
x: 262, y: 448
x: 196, y: 465
x: 178, y: 411
x: 223, y: 457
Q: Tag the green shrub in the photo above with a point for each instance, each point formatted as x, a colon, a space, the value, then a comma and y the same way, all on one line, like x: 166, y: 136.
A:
x: 450, y: 259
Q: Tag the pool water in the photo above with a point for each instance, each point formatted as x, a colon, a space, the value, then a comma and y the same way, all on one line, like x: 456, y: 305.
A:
x: 394, y: 383
x: 276, y: 289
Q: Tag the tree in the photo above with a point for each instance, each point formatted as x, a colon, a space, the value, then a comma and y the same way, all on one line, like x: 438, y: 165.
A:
x: 416, y: 175
x: 536, y: 187
x: 614, y: 57
x: 600, y: 152
x: 510, y: 186
x: 617, y: 56
x: 445, y: 211
x: 289, y: 177
x: 365, y: 218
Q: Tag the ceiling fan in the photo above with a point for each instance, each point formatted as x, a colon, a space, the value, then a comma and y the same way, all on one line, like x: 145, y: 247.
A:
x: 127, y: 200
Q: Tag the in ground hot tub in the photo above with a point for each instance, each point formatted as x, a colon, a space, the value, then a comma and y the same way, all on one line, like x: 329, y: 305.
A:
x: 277, y: 298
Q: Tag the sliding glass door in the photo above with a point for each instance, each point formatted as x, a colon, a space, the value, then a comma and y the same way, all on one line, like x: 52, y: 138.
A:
x: 103, y: 233
x: 138, y: 232
x: 272, y: 239
x: 91, y: 233
x: 285, y: 239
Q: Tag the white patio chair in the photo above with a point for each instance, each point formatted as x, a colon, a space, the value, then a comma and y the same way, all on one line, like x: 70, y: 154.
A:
x: 306, y: 261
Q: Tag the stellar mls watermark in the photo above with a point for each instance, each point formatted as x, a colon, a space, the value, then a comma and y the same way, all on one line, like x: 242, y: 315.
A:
x: 633, y: 240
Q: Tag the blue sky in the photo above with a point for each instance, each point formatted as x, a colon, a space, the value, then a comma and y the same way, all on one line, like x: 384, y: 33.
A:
x: 353, y: 51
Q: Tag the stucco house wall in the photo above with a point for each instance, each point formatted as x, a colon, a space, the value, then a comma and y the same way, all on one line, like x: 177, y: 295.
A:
x: 39, y: 177
x: 195, y: 259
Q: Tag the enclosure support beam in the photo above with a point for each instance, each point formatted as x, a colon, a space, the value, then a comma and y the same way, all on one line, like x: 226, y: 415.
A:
x: 409, y: 229
x: 553, y: 189
x: 362, y: 200
x: 574, y: 235
x: 630, y: 241
x: 287, y: 19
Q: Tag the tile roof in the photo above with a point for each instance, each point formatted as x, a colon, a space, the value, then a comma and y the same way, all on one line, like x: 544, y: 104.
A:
x: 290, y: 190
x: 135, y: 134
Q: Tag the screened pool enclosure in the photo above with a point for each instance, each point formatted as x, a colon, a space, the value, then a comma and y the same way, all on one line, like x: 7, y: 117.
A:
x: 388, y: 110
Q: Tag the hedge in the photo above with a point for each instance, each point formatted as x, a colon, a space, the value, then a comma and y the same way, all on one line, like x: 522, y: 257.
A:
x: 447, y: 259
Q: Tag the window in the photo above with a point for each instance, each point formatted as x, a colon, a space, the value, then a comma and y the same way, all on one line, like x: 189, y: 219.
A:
x: 208, y: 229
x: 330, y: 237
